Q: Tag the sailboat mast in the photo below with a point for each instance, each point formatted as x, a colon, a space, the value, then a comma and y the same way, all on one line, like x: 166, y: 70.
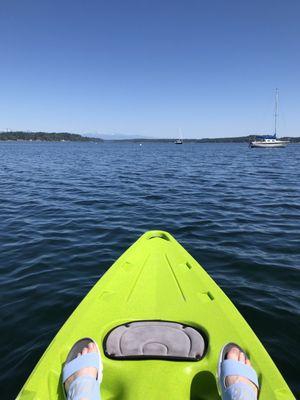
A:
x: 276, y: 111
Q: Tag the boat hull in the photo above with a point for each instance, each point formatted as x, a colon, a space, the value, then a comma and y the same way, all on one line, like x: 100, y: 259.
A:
x: 156, y: 279
x: 268, y: 145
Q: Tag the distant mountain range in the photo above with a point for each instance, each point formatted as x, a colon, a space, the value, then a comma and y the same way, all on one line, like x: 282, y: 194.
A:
x: 121, y: 136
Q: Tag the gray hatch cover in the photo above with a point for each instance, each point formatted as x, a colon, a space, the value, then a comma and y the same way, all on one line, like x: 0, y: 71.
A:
x: 154, y: 339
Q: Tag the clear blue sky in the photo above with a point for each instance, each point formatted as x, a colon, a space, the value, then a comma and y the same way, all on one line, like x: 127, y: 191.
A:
x: 150, y: 67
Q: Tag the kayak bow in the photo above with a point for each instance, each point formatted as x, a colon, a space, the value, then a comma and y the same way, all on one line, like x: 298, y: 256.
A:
x: 160, y: 322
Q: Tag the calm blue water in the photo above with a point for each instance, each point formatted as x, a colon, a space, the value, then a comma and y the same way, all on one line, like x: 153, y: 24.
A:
x: 68, y: 210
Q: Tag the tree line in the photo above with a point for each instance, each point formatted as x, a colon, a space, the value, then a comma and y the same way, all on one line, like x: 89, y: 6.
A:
x: 47, y: 136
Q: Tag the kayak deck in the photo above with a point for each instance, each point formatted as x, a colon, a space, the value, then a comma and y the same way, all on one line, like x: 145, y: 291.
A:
x: 155, y: 279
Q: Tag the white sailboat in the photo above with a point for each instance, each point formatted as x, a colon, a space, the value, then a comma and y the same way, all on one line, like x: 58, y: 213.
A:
x: 179, y: 140
x: 270, y: 140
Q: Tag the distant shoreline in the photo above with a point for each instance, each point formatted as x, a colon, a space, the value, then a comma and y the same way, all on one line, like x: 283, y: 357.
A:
x: 241, y: 139
x: 16, y: 136
x: 45, y: 137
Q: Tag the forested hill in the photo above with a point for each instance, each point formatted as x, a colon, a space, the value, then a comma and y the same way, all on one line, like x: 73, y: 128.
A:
x: 46, y: 136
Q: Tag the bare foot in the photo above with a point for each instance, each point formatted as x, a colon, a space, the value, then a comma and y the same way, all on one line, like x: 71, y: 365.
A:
x: 237, y: 355
x: 90, y: 371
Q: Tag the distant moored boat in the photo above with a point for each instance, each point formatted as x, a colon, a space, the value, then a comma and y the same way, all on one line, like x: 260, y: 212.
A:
x: 179, y: 140
x: 270, y: 140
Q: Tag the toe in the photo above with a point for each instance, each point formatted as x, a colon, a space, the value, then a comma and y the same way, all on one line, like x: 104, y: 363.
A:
x: 84, y: 351
x: 233, y: 354
x: 91, y: 346
x: 242, y: 357
x: 248, y: 362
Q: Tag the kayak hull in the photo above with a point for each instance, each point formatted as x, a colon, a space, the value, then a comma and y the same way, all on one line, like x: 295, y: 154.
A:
x: 156, y: 279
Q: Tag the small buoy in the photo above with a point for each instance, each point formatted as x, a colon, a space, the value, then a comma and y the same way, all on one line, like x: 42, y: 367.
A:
x: 140, y: 144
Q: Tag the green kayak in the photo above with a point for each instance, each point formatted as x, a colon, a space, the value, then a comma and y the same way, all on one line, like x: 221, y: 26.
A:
x: 160, y: 322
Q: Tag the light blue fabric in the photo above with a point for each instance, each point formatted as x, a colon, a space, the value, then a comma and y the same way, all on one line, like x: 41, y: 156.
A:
x: 233, y: 367
x: 238, y: 391
x: 83, y: 361
x: 84, y: 387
